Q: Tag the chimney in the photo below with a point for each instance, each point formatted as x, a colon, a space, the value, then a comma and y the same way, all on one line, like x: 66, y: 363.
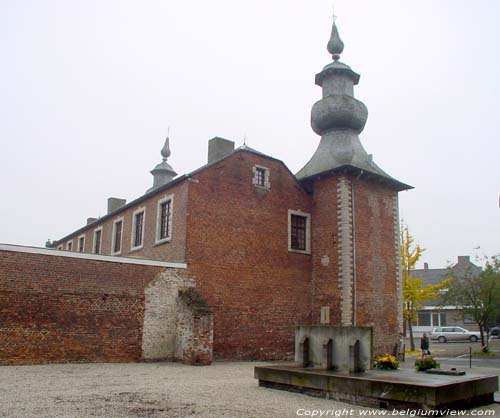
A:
x: 463, y: 259
x: 90, y: 220
x: 115, y: 203
x: 218, y: 148
x: 426, y: 266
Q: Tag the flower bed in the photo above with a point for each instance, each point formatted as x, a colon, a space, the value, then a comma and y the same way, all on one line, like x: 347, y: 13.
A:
x: 386, y: 362
x: 426, y: 363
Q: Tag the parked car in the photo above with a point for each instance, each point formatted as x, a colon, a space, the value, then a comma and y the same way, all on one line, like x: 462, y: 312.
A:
x: 495, y: 331
x: 443, y: 334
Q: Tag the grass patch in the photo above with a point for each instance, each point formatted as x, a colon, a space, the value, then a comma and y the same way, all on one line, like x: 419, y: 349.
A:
x: 483, y: 354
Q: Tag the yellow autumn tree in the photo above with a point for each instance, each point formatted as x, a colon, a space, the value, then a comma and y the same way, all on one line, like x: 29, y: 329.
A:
x: 414, y: 291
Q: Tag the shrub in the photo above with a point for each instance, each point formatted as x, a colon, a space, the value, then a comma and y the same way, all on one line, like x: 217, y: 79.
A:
x: 426, y: 363
x: 386, y: 362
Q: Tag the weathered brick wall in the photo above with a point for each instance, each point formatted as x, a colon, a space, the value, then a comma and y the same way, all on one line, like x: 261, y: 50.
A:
x: 365, y: 290
x: 238, y: 253
x: 63, y: 309
x: 173, y: 250
x: 377, y: 259
x: 327, y: 290
x: 195, y: 329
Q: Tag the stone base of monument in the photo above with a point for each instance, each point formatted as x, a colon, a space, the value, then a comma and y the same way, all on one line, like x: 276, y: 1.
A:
x: 398, y: 389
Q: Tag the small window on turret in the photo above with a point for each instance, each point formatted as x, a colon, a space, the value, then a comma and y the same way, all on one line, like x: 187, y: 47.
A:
x: 261, y: 177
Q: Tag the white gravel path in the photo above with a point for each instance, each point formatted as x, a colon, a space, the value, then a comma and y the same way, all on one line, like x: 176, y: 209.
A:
x: 149, y: 390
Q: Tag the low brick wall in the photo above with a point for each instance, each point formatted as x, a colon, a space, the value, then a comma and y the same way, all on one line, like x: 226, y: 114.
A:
x: 58, y: 307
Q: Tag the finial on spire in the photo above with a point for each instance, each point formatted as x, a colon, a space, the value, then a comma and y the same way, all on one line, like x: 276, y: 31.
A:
x: 165, y: 151
x: 335, y: 45
x: 334, y: 16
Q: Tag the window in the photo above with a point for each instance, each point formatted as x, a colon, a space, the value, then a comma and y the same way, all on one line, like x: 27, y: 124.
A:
x: 97, y: 240
x: 261, y: 177
x: 164, y: 220
x: 69, y: 246
x: 116, y: 244
x: 60, y: 247
x: 138, y: 229
x: 81, y: 243
x: 424, y: 319
x: 299, y: 232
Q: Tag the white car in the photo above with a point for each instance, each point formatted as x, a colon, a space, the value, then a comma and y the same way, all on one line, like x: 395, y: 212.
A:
x: 443, y: 334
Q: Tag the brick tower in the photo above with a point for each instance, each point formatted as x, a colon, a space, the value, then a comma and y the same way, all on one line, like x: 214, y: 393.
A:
x: 356, y: 271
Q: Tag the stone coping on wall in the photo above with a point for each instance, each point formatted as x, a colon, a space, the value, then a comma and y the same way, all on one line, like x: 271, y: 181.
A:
x: 86, y: 256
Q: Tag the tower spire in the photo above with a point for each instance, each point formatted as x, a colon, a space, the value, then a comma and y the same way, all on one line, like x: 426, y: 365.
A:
x: 339, y: 118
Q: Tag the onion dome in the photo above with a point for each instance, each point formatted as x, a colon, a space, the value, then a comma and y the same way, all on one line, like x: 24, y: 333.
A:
x: 339, y: 118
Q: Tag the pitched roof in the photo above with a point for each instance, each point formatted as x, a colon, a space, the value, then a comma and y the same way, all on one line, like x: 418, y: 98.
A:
x: 160, y: 189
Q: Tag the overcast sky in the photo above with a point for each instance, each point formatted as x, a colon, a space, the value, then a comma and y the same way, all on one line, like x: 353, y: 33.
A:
x: 89, y: 88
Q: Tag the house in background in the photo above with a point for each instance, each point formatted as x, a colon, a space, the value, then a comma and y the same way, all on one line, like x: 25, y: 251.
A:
x: 435, y: 312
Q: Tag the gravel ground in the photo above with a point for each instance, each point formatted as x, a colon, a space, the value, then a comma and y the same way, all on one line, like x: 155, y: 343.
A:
x: 150, y: 390
x: 146, y: 390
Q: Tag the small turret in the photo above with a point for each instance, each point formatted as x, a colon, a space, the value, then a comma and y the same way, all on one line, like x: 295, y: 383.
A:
x: 163, y: 172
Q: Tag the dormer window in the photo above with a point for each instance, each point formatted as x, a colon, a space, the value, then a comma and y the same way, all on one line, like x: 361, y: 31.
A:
x: 261, y: 177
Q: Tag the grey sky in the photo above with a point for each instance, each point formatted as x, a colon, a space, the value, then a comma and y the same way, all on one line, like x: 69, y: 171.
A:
x: 88, y: 89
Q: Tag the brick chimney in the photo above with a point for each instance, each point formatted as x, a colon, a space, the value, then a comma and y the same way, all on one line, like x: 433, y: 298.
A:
x: 218, y: 148
x: 115, y: 203
x: 426, y: 266
x: 463, y: 259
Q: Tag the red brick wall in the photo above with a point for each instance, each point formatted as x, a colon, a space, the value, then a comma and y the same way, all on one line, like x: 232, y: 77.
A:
x: 377, y: 262
x: 238, y: 253
x: 173, y: 251
x: 59, y: 309
x: 325, y: 277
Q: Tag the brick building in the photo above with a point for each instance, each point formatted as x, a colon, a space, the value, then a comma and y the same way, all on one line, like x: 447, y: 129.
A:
x: 265, y: 249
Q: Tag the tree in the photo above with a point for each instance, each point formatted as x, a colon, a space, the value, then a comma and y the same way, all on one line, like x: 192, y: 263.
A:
x: 478, y: 295
x: 414, y: 292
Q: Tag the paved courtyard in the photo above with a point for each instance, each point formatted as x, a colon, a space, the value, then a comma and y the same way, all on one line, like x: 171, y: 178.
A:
x: 152, y: 390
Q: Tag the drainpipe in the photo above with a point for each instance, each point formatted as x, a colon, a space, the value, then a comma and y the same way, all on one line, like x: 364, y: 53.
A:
x: 354, y: 270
